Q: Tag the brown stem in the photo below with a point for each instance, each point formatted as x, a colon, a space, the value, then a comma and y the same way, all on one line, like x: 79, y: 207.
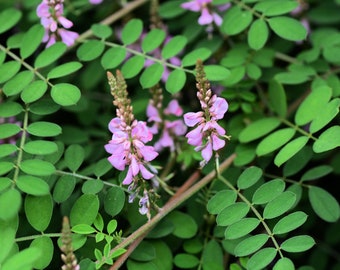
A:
x: 182, y: 194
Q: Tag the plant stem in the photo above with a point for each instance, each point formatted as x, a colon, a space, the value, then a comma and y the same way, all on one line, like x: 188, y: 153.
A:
x: 182, y: 194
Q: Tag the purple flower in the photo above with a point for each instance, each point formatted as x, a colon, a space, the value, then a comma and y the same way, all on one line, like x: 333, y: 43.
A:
x: 95, y: 2
x: 55, y: 24
x: 208, y: 136
x: 207, y: 16
x: 169, y: 129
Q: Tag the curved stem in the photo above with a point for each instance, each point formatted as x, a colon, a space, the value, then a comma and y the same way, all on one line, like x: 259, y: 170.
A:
x: 32, y: 237
x: 182, y: 194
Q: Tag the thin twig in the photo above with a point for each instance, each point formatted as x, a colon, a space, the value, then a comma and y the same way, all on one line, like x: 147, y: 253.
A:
x: 182, y: 194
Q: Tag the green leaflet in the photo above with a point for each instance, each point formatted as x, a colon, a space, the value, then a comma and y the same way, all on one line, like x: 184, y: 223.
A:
x: 45, y: 245
x: 31, y: 40
x: 132, y: 31
x: 8, y: 18
x: 90, y: 50
x: 178, y: 219
x: 153, y: 40
x: 287, y: 28
x: 151, y: 75
x: 175, y: 81
x: 65, y: 94
x: 236, y: 20
x: 328, y: 140
x: 74, y: 157
x: 249, y: 177
x: 298, y: 243
x: 10, y: 201
x: 50, y: 55
x: 38, y: 210
x: 84, y: 210
x: 258, y: 34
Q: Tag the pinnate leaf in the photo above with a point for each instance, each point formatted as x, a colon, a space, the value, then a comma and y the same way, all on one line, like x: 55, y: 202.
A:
x: 65, y: 94
x: 132, y: 31
x: 287, y: 28
x: 290, y: 149
x: 279, y: 205
x: 324, y: 204
x: 290, y: 222
x: 298, y: 243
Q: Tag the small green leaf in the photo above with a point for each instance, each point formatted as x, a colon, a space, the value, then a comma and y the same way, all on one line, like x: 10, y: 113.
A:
x: 83, y: 229
x: 74, y: 157
x: 290, y: 222
x: 298, y: 162
x: 328, y: 140
x: 175, y: 81
x: 90, y: 50
x: 102, y: 167
x: 249, y: 177
x: 101, y: 30
x: 174, y: 46
x: 250, y: 245
x: 312, y: 105
x: 284, y: 264
x: 99, y: 223
x: 64, y: 70
x: 92, y: 186
x: 38, y: 210
x: 287, y: 28
x: 5, y: 167
x: 65, y: 94
x: 261, y: 258
x: 114, y: 201
x: 10, y: 202
x: 317, y: 172
x: 153, y: 40
x: 31, y: 40
x: 7, y: 71
x: 112, y: 226
x: 44, y: 129
x: 133, y: 66
x: 34, y: 91
x: 258, y: 129
x: 180, y: 218
x: 326, y: 115
x: 290, y: 149
x: 45, y: 245
x: 298, y: 243
x: 84, y: 210
x: 186, y: 261
x: 8, y: 18
x: 213, y: 256
x: 275, y: 7
x: 216, y: 72
x: 44, y: 107
x: 33, y: 185
x: 274, y: 141
x: 18, y: 83
x: 277, y: 98
x: 221, y: 200
x: 8, y: 130
x: 191, y: 58
x: 10, y: 108
x: 40, y: 147
x: 168, y: 10
x: 113, y: 57
x: 151, y: 75
x: 232, y: 213
x: 37, y: 167
x: 241, y: 228
x: 324, y: 204
x: 144, y: 252
x: 64, y: 188
x: 268, y: 191
x: 7, y: 149
x: 253, y: 71
x: 132, y: 31
x: 24, y: 259
x: 258, y: 34
x: 236, y: 20
x: 279, y: 205
x: 50, y: 55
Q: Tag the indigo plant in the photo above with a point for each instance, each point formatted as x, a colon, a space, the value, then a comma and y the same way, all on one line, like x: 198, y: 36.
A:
x: 173, y: 134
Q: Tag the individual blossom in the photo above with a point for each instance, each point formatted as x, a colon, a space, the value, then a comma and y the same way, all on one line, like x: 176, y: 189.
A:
x: 207, y: 136
x: 168, y: 129
x: 51, y: 17
x: 207, y: 16
x: 129, y: 136
x: 95, y: 2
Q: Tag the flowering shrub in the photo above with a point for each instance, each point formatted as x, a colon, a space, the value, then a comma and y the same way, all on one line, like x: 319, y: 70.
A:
x: 173, y: 134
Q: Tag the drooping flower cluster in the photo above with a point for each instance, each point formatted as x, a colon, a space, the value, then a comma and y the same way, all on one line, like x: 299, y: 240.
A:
x: 207, y: 15
x: 129, y: 136
x: 208, y: 135
x: 169, y: 129
x: 51, y: 17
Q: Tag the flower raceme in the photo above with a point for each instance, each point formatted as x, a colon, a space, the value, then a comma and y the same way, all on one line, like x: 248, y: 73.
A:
x: 55, y: 24
x: 208, y: 136
x: 129, y: 136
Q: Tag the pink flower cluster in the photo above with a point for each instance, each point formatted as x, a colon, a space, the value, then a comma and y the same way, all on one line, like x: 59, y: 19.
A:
x: 169, y: 129
x: 208, y: 134
x: 127, y: 148
x: 207, y: 16
x: 55, y: 24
